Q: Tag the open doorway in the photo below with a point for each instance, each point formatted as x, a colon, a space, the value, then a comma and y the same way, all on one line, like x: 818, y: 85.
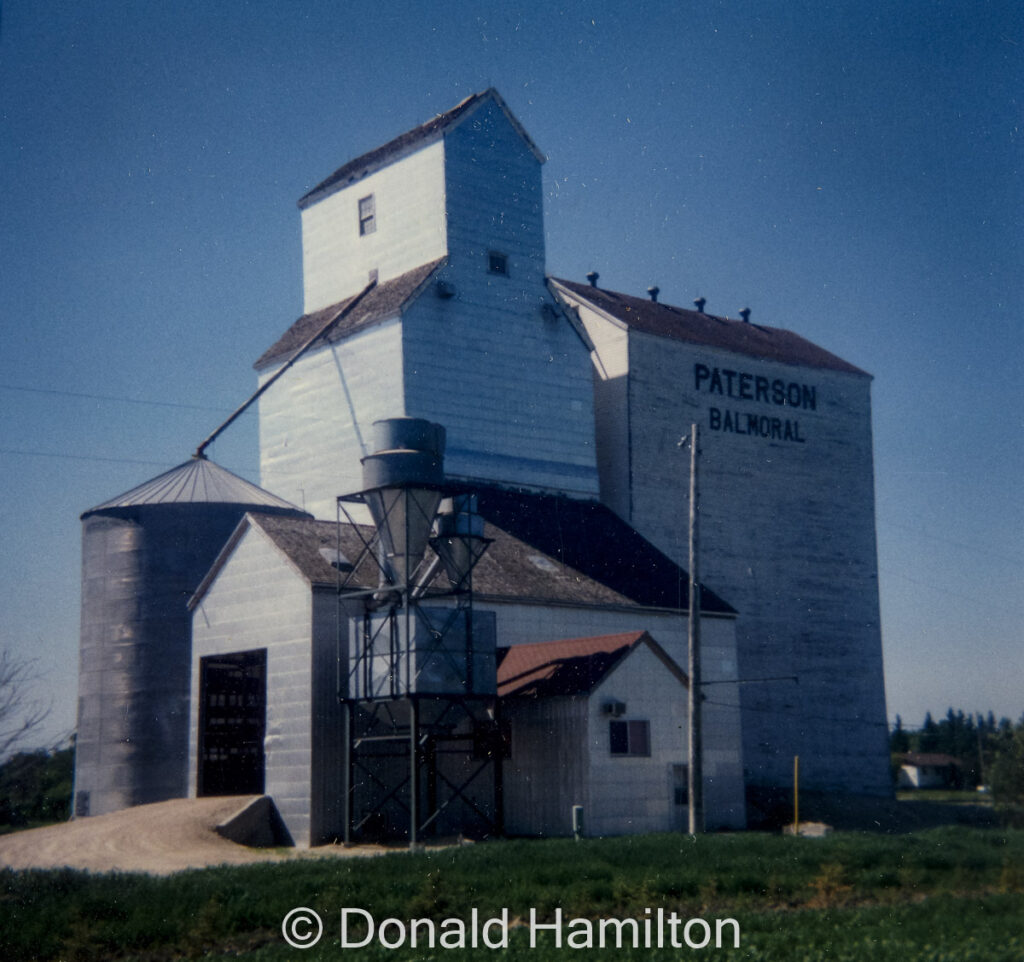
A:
x: 232, y: 721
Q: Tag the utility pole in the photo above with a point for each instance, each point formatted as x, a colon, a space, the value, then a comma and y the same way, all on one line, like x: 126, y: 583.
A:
x: 694, y: 768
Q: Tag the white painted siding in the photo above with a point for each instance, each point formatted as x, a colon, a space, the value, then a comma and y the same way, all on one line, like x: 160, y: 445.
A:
x: 611, y: 412
x: 722, y: 735
x: 410, y: 228
x: 259, y: 601
x: 788, y: 536
x: 316, y: 422
x: 512, y: 387
x: 631, y: 794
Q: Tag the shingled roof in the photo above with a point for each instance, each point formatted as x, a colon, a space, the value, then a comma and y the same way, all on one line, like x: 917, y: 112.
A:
x: 573, y: 666
x: 694, y: 327
x: 510, y: 569
x: 590, y: 538
x: 591, y: 558
x: 385, y: 300
x: 412, y: 140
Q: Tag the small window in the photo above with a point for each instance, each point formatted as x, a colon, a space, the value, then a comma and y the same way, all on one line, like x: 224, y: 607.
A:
x: 629, y: 737
x: 367, y: 215
x: 497, y: 263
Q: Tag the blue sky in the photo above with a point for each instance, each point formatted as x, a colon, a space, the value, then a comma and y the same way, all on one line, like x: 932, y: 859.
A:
x: 850, y: 170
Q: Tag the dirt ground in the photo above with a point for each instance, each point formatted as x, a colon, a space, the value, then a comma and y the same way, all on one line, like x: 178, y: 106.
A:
x: 158, y: 839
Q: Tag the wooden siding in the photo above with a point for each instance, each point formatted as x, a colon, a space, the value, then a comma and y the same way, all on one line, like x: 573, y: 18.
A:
x: 788, y: 535
x: 511, y: 385
x: 410, y: 228
x: 329, y: 670
x: 631, y: 794
x: 611, y: 412
x: 722, y: 735
x: 316, y: 422
x: 547, y: 772
x: 259, y: 601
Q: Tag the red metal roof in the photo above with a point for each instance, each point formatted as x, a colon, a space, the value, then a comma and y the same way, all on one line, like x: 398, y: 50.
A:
x: 694, y: 327
x: 572, y: 666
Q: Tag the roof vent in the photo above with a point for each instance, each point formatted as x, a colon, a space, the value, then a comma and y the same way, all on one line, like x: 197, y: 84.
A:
x: 592, y: 277
x: 745, y: 314
x: 699, y: 304
x: 654, y: 292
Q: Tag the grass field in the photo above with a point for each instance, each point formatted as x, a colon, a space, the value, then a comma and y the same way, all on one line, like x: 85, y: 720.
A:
x: 946, y: 895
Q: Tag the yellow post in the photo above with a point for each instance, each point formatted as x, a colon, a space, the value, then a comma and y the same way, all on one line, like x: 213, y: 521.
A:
x: 796, y: 795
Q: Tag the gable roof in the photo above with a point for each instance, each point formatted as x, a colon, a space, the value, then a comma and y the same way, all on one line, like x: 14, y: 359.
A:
x: 412, y: 140
x: 694, y: 327
x: 197, y: 481
x: 590, y: 538
x: 514, y: 569
x: 572, y: 666
x: 384, y: 301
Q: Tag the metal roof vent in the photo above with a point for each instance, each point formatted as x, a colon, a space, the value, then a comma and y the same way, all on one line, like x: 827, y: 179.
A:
x: 654, y: 292
x: 699, y: 304
x: 745, y: 314
x: 592, y: 277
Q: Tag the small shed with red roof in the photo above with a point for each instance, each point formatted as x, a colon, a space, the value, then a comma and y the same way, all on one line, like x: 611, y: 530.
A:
x: 600, y: 722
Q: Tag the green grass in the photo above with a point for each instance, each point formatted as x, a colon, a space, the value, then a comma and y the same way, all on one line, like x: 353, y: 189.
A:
x: 947, y: 894
x: 947, y: 796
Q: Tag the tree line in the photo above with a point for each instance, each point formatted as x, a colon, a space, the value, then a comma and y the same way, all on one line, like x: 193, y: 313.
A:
x: 990, y: 753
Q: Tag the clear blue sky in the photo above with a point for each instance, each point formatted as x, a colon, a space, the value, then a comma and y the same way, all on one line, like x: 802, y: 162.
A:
x: 849, y: 170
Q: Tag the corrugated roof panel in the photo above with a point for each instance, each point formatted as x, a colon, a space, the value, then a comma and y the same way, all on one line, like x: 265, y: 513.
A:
x: 197, y: 481
x: 572, y: 666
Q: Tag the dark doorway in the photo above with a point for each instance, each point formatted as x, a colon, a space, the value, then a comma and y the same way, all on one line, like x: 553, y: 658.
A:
x: 232, y: 719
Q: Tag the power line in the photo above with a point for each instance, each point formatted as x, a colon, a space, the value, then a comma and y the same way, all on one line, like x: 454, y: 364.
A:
x: 83, y: 457
x: 110, y: 397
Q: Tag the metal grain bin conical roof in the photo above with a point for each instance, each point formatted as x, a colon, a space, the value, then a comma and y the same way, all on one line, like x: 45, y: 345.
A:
x: 197, y: 481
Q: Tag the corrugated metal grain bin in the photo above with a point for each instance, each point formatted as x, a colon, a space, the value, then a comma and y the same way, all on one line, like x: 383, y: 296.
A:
x: 143, y: 554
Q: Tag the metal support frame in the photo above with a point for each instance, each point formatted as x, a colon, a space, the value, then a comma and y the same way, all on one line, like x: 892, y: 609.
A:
x: 395, y: 741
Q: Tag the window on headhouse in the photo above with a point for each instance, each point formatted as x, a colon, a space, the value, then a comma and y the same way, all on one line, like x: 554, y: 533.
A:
x: 367, y: 215
x: 629, y: 737
x: 497, y: 263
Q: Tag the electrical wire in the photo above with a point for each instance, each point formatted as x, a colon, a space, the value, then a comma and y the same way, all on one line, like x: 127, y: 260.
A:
x: 111, y: 397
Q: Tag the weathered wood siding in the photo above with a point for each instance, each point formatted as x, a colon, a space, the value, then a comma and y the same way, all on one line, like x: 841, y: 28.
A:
x: 329, y: 672
x: 788, y: 538
x: 409, y: 206
x: 722, y: 734
x: 547, y: 772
